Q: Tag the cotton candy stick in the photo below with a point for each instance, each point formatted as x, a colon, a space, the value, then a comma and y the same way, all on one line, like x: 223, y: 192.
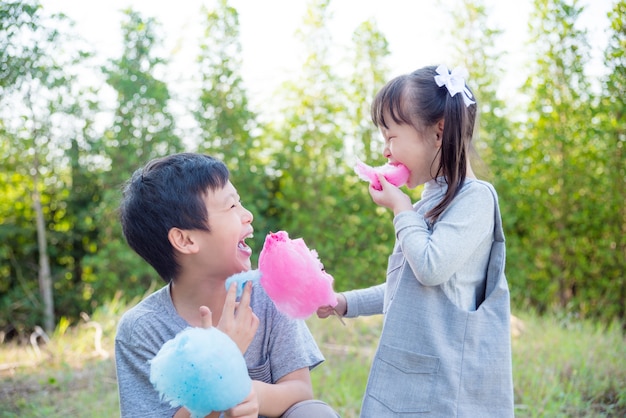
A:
x: 201, y: 369
x: 396, y: 174
x: 293, y: 276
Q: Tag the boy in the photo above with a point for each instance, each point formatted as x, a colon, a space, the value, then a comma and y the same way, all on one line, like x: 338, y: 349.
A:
x: 184, y: 217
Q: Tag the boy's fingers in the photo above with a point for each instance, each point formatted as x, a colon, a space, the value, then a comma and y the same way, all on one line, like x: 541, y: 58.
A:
x: 231, y: 299
x: 244, y: 302
x: 207, y: 317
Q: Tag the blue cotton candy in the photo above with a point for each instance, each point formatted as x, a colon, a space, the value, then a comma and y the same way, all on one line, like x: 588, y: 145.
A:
x: 201, y: 369
x: 242, y: 278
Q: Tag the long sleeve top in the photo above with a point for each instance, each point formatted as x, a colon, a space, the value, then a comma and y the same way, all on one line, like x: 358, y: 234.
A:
x: 445, y: 344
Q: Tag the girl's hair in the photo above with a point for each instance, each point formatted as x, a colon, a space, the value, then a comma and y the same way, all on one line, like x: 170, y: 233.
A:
x: 168, y: 193
x: 415, y: 99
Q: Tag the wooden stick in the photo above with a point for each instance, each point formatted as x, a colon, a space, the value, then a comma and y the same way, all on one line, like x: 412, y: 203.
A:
x: 339, y: 317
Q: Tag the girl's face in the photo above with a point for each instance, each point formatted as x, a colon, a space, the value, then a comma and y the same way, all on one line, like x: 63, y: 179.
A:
x: 419, y: 151
x: 224, y: 248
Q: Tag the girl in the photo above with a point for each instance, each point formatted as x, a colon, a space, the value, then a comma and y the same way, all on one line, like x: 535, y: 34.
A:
x: 445, y: 346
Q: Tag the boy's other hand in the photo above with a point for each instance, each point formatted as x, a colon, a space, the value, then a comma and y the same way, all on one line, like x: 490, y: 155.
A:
x: 238, y: 321
x: 207, y: 317
x: 248, y: 408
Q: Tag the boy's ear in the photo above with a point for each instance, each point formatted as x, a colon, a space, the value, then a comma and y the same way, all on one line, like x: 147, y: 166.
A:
x: 182, y: 241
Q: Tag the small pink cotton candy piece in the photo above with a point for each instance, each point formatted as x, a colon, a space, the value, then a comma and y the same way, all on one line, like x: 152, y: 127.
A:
x: 397, y: 174
x: 293, y: 276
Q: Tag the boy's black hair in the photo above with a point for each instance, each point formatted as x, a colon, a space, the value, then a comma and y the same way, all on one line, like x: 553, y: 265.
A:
x: 168, y: 193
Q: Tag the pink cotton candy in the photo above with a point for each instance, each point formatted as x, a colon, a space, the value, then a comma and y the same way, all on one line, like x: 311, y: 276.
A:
x: 396, y: 174
x: 293, y: 276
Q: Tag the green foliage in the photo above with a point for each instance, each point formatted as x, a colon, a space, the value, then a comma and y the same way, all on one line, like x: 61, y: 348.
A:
x: 143, y: 127
x: 227, y: 127
x: 612, y: 149
x: 41, y: 107
x: 557, y: 232
x: 557, y: 160
x: 566, y: 367
x: 561, y: 368
x: 316, y: 196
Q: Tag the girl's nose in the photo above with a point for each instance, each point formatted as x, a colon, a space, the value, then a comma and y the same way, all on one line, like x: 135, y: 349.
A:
x: 386, y: 152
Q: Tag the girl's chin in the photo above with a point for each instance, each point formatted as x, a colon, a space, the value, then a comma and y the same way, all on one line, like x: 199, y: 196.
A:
x: 410, y: 184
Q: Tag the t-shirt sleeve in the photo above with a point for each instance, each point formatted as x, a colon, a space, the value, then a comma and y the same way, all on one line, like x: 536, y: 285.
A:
x: 138, y: 398
x: 292, y: 348
x: 289, y: 344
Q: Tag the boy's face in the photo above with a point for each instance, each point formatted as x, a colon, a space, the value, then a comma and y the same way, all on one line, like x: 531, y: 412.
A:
x: 230, y: 224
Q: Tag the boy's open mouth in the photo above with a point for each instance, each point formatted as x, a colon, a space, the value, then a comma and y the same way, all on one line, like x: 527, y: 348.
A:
x: 242, y: 244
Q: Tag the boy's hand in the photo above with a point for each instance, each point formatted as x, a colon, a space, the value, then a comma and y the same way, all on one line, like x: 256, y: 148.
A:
x: 248, y: 408
x: 206, y: 316
x: 238, y: 321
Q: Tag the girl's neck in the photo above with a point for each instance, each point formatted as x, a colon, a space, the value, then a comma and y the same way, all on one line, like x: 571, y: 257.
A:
x: 469, y: 173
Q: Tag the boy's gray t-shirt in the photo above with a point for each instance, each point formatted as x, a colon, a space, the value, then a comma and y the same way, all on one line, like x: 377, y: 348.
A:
x: 281, y: 345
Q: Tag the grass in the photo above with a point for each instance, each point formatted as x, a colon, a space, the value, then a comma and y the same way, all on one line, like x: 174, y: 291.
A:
x: 562, y: 368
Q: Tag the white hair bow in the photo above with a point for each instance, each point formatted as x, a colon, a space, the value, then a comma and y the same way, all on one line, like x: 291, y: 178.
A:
x: 454, y: 82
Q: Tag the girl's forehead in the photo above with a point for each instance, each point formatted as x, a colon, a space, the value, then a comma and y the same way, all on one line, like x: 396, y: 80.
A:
x: 220, y: 195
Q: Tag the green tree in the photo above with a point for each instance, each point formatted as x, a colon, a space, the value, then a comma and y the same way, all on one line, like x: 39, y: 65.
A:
x: 324, y: 125
x: 556, y: 194
x: 369, y: 75
x: 609, y: 298
x: 41, y: 107
x: 308, y: 145
x: 475, y: 45
x: 362, y: 260
x: 143, y: 128
x: 228, y: 128
x: 474, y: 42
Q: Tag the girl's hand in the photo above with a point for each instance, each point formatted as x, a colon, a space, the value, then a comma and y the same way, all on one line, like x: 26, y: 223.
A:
x: 340, y: 309
x: 390, y: 197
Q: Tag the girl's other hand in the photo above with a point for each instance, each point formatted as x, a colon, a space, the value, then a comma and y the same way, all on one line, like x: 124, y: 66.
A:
x: 340, y: 309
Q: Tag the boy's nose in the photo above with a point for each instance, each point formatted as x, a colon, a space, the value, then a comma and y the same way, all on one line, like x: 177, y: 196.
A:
x: 247, y: 216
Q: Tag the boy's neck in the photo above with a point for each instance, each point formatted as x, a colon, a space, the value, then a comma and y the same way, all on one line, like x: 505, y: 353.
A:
x: 188, y: 296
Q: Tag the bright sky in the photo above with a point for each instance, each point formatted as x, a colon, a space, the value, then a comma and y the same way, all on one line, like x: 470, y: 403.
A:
x: 270, y: 50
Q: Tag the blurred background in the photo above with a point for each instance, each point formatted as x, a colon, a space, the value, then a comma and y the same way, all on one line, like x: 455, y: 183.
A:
x: 280, y: 90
